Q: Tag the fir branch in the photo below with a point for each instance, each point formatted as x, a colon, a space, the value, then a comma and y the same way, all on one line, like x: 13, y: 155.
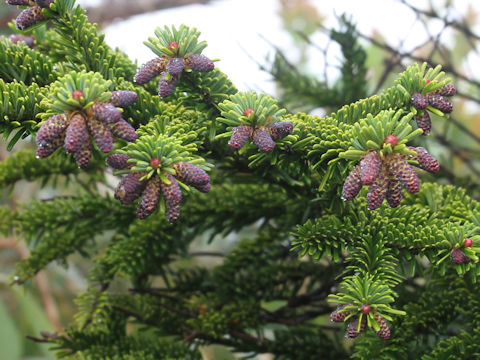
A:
x: 85, y: 49
x: 19, y: 106
x: 19, y: 62
x: 148, y: 244
x: 60, y: 227
x: 24, y: 165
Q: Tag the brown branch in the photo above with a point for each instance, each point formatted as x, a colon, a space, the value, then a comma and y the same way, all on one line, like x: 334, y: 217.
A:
x: 431, y: 13
x: 206, y: 253
x: 458, y: 153
x: 171, y: 308
x: 37, y: 339
x: 134, y: 315
x: 247, y: 337
x: 446, y: 67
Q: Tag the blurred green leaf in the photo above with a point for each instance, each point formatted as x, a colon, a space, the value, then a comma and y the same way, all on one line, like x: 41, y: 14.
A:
x: 10, y: 341
x: 34, y: 318
x: 273, y: 305
x: 214, y: 352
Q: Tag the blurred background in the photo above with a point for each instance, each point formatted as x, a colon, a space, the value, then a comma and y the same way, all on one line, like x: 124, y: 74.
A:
x: 314, y: 56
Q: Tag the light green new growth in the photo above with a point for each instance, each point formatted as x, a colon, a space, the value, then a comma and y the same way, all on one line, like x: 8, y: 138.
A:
x: 60, y: 96
x: 186, y: 40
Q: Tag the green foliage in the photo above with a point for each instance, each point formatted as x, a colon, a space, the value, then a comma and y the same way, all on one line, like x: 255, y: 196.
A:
x: 24, y: 165
x: 370, y: 133
x: 60, y: 95
x: 19, y: 105
x: 149, y: 244
x: 19, y: 62
x: 94, y: 345
x: 168, y: 150
x: 423, y: 331
x: 305, y: 343
x: 62, y: 226
x: 302, y: 248
x: 83, y: 48
x: 186, y: 40
x: 301, y: 91
x: 412, y: 80
x: 265, y: 111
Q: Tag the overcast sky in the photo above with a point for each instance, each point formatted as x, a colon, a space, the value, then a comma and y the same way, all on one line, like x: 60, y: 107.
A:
x: 236, y: 31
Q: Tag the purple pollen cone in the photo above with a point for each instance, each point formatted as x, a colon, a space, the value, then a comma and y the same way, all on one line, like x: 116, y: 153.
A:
x: 190, y: 174
x: 240, y: 136
x: 129, y: 188
x: 352, y: 184
x: 101, y: 135
x: 150, y: 70
x: 75, y: 134
x: 29, y: 17
x: 123, y: 98
x: 370, y: 167
x: 118, y: 161
x: 106, y: 112
x: 150, y: 196
x: 124, y: 130
x: 263, y: 140
x: 199, y: 62
x: 51, y: 129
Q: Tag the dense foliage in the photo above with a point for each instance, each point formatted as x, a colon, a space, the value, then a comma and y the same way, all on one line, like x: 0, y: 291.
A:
x: 196, y: 158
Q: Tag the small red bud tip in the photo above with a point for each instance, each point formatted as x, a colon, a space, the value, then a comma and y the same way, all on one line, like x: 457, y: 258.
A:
x: 468, y: 242
x: 173, y: 45
x: 392, y: 140
x: 247, y: 112
x: 77, y: 94
x: 155, y: 163
x: 427, y: 81
x: 366, y: 309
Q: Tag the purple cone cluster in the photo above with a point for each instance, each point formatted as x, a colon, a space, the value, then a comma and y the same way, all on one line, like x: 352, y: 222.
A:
x: 149, y: 190
x: 387, y: 176
x: 353, y: 330
x: 31, y: 15
x: 263, y: 137
x: 102, y: 121
x: 437, y: 99
x: 170, y: 70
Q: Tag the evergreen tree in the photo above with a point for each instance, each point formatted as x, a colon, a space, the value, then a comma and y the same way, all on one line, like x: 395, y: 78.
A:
x: 196, y: 157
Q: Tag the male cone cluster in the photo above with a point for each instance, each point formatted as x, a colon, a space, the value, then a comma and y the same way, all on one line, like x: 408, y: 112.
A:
x: 437, y: 99
x: 72, y: 129
x: 353, y: 329
x: 387, y: 175
x: 131, y: 187
x: 170, y: 69
x: 31, y: 15
x: 263, y: 137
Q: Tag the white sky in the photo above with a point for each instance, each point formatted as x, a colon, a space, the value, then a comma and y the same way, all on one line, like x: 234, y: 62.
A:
x: 234, y: 31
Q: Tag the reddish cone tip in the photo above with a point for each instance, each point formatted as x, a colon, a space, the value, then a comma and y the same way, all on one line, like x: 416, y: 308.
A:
x: 468, y: 242
x: 366, y: 309
x: 155, y: 163
x: 392, y: 140
x: 77, y: 94
x: 427, y: 81
x: 247, y: 112
x: 173, y: 45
